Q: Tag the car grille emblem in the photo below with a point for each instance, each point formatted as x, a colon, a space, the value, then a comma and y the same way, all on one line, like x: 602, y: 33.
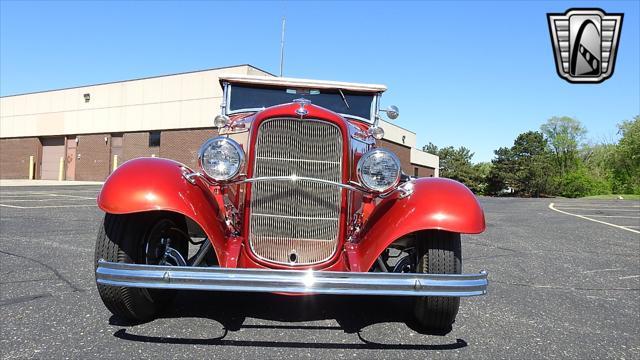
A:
x: 585, y: 43
x: 301, y: 111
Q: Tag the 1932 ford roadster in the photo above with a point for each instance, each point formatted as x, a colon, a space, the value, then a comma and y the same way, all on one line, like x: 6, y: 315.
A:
x: 292, y: 197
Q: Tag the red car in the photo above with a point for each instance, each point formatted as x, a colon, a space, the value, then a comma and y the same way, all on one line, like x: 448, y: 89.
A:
x: 293, y: 196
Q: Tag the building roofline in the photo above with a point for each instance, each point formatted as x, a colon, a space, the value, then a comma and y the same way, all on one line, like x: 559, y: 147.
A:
x: 398, y: 126
x: 137, y: 79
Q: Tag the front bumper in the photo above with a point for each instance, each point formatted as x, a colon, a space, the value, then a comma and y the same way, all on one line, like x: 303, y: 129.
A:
x: 289, y: 281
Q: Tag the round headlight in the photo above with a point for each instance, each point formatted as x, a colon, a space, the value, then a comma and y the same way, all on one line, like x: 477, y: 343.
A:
x: 379, y: 170
x: 221, y: 158
x: 221, y: 121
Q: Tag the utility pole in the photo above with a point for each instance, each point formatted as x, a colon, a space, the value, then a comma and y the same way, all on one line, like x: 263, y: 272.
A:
x: 282, y: 48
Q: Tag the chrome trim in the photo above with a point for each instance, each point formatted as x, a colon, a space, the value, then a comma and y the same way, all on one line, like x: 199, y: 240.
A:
x: 294, y: 178
x: 370, y: 153
x: 355, y: 187
x: 226, y: 94
x: 234, y: 144
x: 291, y: 281
x: 301, y: 111
x: 293, y: 149
x: 350, y: 116
x: 191, y: 177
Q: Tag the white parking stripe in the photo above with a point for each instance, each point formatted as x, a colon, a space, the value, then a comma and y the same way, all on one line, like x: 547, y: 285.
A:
x: 2, y: 196
x: 637, y: 207
x: 613, y: 216
x: 599, y: 270
x: 23, y: 200
x: 600, y: 209
x: 46, y: 192
x: 46, y: 207
x: 73, y: 196
x: 551, y: 206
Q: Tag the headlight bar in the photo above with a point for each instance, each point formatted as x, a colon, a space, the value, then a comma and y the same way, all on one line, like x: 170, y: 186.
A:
x: 405, y: 189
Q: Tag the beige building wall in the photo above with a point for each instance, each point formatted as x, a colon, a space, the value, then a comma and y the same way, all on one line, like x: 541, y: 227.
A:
x: 181, y: 101
x: 399, y: 135
x: 171, y: 102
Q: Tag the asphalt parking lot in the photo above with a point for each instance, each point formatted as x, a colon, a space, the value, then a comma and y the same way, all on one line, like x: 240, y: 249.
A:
x: 562, y: 286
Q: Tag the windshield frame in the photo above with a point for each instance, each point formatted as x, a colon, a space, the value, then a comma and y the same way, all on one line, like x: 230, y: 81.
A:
x: 228, y: 86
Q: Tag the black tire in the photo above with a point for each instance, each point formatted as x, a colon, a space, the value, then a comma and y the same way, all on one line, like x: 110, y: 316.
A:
x: 438, y: 252
x: 122, y: 238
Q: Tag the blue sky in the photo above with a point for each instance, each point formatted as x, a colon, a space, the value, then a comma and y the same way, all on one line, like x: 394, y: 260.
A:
x: 465, y: 73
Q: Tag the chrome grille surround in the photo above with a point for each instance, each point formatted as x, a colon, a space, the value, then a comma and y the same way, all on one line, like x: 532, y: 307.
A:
x: 296, y: 222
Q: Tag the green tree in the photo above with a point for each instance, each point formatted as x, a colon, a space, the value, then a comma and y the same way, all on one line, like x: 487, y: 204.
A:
x: 524, y: 168
x: 599, y: 159
x: 456, y: 164
x: 502, y: 173
x: 564, y: 135
x: 580, y: 182
x: 626, y: 169
x: 480, y: 175
x: 534, y: 170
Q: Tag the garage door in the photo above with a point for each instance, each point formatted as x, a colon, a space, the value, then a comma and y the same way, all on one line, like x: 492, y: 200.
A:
x: 52, y: 151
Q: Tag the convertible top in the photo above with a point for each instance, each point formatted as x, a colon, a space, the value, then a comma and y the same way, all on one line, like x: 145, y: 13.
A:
x: 301, y: 83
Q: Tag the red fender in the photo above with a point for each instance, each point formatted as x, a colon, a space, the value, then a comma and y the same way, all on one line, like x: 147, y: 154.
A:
x: 436, y: 203
x: 149, y: 184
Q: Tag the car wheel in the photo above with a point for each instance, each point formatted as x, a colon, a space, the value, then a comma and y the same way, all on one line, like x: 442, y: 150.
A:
x: 438, y: 252
x: 141, y: 239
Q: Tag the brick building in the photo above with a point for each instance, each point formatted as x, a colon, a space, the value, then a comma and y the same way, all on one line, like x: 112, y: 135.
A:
x: 84, y: 133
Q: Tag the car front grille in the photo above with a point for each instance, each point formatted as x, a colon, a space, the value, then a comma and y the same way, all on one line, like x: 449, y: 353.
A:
x: 296, y: 222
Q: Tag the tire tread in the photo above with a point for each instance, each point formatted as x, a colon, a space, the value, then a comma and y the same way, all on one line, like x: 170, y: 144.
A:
x: 439, y: 252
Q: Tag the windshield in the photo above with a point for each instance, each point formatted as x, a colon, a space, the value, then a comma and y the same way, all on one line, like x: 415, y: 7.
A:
x: 243, y: 98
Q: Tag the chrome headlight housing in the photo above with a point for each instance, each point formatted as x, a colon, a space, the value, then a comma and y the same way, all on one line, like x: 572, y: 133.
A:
x: 221, y: 158
x: 379, y: 170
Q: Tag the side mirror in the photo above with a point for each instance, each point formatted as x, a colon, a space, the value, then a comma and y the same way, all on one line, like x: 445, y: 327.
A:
x: 392, y: 112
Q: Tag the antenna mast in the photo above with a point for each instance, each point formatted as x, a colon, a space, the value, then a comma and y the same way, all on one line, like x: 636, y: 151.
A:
x: 282, y: 48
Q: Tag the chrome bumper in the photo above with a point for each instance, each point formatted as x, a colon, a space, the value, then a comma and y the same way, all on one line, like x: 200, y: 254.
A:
x: 289, y: 281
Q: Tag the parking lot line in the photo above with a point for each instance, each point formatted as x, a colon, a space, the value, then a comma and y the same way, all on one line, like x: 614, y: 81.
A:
x: 46, y: 206
x: 23, y: 200
x: 551, y: 206
x: 28, y: 193
x: 3, y: 196
x: 599, y: 205
x: 73, y: 196
x: 601, y: 209
x: 615, y: 216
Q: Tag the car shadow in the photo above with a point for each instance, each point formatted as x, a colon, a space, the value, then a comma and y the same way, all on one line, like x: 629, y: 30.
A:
x: 352, y: 313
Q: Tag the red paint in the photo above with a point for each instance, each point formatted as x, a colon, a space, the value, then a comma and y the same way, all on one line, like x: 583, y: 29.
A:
x: 152, y: 184
x: 436, y: 203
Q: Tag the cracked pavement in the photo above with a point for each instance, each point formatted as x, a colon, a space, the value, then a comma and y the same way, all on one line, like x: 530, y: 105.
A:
x: 560, y: 287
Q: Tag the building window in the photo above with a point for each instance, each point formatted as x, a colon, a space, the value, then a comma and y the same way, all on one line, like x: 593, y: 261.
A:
x: 87, y: 97
x: 415, y: 171
x: 154, y: 138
